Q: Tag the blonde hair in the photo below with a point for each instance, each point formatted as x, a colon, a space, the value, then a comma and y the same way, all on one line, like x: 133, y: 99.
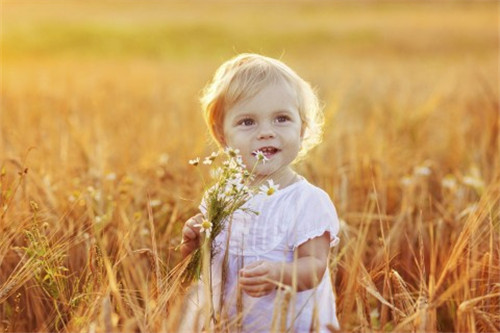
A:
x: 243, y: 77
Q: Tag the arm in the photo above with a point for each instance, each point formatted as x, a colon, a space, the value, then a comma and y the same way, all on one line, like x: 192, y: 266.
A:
x: 261, y: 277
x: 191, y: 235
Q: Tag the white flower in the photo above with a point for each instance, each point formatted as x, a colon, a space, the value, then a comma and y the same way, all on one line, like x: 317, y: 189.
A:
x: 233, y: 164
x: 232, y: 152
x: 239, y: 161
x: 449, y: 182
x: 221, y: 196
x: 247, y: 175
x: 422, y: 171
x: 205, y: 226
x: 195, y: 162
x: 406, y: 181
x: 163, y: 159
x: 236, y: 185
x: 155, y: 203
x: 111, y: 176
x: 270, y: 188
x: 216, y: 173
x: 209, y: 159
x: 473, y: 182
x: 259, y: 155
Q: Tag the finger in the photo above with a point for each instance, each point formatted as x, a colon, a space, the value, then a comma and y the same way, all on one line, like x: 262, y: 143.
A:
x: 253, y: 289
x: 195, y: 223
x: 191, y: 223
x: 188, y: 233
x: 197, y: 219
x: 257, y: 293
x: 252, y: 281
x: 257, y: 270
x: 187, y: 248
x: 257, y: 288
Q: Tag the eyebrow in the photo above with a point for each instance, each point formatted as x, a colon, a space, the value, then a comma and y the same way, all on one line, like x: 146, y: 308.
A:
x: 243, y: 115
x: 283, y: 111
x: 251, y: 113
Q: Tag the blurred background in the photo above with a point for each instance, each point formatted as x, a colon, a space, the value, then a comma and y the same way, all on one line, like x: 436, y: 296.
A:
x: 100, y: 114
x: 124, y: 74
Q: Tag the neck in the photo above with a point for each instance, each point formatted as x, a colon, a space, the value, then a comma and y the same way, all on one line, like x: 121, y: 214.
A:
x: 283, y: 177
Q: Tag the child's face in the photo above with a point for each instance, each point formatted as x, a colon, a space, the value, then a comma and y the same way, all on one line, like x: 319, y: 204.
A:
x: 269, y: 122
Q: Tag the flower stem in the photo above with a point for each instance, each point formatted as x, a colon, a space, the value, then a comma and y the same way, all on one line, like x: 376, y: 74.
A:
x: 207, y: 281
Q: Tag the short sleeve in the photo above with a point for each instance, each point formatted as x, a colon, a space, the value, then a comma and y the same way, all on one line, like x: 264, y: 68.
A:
x: 313, y: 215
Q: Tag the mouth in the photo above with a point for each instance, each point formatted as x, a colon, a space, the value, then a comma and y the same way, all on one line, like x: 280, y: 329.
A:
x: 267, y: 151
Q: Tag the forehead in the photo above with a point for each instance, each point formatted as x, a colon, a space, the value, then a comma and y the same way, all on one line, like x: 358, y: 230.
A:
x: 273, y: 96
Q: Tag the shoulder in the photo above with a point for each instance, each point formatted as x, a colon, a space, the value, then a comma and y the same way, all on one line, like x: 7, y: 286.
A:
x: 307, y: 192
x: 306, y: 198
x: 312, y: 214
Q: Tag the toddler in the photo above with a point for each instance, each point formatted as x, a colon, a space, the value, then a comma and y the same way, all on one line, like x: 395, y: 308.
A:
x: 276, y: 271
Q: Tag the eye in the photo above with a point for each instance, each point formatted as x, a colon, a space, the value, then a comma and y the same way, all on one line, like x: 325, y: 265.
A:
x: 282, y: 119
x: 246, y: 122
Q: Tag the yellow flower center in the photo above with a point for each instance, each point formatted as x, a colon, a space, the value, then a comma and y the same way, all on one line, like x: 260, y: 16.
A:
x: 206, y: 224
x: 271, y: 191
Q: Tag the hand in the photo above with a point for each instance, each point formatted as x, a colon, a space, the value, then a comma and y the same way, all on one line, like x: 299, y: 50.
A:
x: 259, y: 278
x: 191, y: 235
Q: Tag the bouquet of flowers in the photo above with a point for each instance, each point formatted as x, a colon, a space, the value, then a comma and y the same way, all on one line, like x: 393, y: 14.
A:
x: 229, y: 192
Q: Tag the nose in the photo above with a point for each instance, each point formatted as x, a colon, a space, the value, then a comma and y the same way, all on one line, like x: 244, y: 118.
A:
x: 266, y: 132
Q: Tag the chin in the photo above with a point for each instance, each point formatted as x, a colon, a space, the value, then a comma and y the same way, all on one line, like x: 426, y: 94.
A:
x: 264, y: 171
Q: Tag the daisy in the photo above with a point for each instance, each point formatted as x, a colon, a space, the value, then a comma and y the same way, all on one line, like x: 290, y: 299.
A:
x: 213, y: 156
x: 155, y: 203
x: 209, y: 159
x: 259, y: 155
x: 422, y: 171
x: 205, y: 227
x: 406, y: 181
x: 270, y: 188
x: 473, y: 182
x: 216, y: 173
x: 449, y: 182
x: 236, y: 185
x: 195, y: 162
x: 232, y: 152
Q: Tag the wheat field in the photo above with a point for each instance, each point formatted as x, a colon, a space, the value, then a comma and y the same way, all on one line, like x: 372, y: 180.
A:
x: 99, y: 116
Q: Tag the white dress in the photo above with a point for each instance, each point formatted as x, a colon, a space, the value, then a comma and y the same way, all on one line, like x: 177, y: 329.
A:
x: 285, y: 220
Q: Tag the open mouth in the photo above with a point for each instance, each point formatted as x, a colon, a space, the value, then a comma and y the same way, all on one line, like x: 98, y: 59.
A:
x: 267, y: 151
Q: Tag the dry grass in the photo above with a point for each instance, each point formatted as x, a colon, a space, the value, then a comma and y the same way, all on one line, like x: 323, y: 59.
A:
x: 99, y: 116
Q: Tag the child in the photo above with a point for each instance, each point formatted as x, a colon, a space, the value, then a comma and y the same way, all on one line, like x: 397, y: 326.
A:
x: 255, y: 103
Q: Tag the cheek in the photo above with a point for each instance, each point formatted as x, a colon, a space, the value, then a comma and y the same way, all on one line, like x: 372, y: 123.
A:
x: 227, y: 140
x: 233, y: 140
x: 226, y: 137
x: 295, y: 136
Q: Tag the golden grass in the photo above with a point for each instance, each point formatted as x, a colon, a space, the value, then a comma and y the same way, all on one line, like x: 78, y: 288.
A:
x: 99, y: 116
